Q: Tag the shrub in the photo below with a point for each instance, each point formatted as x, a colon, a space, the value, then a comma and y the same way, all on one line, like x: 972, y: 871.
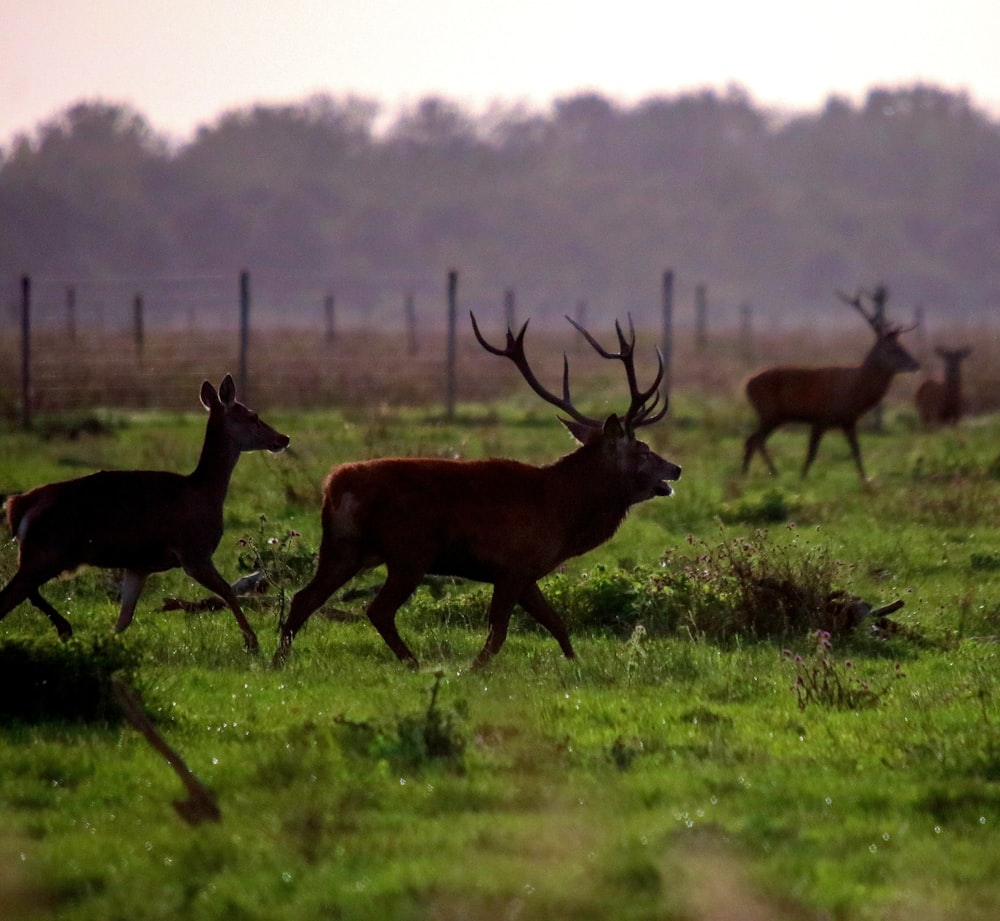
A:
x: 753, y: 588
x: 608, y: 599
x: 42, y: 681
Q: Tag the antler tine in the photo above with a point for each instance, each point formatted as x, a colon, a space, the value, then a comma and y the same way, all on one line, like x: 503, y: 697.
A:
x: 642, y: 414
x: 515, y: 352
x: 625, y: 345
x: 626, y: 348
x: 638, y: 412
x: 873, y: 318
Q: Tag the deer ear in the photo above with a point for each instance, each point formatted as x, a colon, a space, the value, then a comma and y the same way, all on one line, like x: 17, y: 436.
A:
x: 583, y: 433
x: 227, y: 390
x: 613, y: 430
x: 209, y: 397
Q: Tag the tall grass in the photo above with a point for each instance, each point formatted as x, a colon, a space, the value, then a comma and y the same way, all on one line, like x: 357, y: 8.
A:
x: 682, y: 767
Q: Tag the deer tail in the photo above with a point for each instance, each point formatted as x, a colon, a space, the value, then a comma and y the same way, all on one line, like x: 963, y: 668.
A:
x: 16, y: 508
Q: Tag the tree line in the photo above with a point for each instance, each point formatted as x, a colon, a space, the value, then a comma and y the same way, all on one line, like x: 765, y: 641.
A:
x: 590, y: 199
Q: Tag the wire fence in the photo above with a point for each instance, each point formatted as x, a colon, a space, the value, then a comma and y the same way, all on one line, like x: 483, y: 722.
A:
x: 82, y: 344
x: 289, y: 340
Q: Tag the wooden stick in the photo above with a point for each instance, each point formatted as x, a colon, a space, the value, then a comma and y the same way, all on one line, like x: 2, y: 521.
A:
x: 200, y: 805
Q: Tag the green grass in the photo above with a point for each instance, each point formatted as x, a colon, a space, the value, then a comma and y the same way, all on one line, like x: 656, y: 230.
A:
x: 668, y: 773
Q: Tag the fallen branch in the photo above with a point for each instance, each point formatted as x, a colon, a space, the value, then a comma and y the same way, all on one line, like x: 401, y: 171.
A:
x: 255, y: 583
x: 200, y: 805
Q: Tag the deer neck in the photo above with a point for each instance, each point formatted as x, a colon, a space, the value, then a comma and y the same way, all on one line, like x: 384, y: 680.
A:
x: 593, y: 497
x: 217, y: 461
x: 873, y: 380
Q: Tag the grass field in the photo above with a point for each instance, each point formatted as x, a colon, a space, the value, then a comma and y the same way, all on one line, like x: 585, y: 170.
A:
x: 714, y: 764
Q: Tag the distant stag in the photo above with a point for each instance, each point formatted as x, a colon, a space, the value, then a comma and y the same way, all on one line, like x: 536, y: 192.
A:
x: 832, y: 397
x: 496, y: 521
x: 140, y: 521
x: 940, y: 402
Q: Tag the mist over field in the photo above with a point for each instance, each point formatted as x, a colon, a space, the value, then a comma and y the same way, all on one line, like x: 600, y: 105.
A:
x: 591, y: 200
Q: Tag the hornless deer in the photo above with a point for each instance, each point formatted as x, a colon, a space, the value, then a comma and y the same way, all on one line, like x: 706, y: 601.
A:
x: 828, y: 397
x: 940, y: 402
x: 496, y: 521
x: 141, y: 521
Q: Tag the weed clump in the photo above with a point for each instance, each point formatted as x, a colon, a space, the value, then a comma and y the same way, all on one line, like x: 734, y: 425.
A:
x: 411, y: 740
x: 822, y: 680
x: 280, y: 560
x: 749, y: 587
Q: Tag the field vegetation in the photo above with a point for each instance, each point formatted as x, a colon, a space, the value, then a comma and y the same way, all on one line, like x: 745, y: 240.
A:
x: 736, y: 738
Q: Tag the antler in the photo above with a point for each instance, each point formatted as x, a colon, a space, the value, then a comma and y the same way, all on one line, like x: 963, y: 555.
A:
x: 876, y: 319
x: 515, y: 352
x: 638, y: 413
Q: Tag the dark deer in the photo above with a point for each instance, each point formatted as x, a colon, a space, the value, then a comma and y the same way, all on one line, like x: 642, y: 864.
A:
x: 940, y: 402
x: 141, y: 521
x: 496, y: 521
x: 827, y: 398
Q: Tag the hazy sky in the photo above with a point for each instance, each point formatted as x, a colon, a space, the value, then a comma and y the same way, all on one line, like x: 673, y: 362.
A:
x: 183, y: 62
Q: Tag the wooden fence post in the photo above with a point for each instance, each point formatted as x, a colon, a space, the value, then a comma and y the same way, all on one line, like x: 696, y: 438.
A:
x: 410, y: 314
x: 879, y: 297
x: 331, y: 329
x: 71, y: 313
x: 26, y: 351
x: 509, y: 307
x: 746, y: 330
x: 921, y: 330
x: 700, y: 317
x: 244, y: 383
x: 668, y: 328
x: 452, y: 380
x: 138, y: 326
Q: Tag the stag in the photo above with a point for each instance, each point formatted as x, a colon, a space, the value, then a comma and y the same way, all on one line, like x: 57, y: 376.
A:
x: 140, y: 521
x: 496, y: 521
x: 833, y: 397
x: 940, y: 402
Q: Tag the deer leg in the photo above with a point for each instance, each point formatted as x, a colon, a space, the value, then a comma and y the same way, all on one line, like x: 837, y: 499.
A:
x: 749, y: 447
x: 757, y: 442
x: 328, y: 578
x: 815, y: 436
x: 132, y: 583
x: 23, y: 587
x: 501, y: 607
x: 17, y: 590
x: 852, y: 439
x: 205, y: 573
x: 399, y: 585
x: 63, y: 627
x: 535, y: 603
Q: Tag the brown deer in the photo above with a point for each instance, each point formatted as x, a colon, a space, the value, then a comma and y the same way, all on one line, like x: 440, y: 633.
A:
x: 832, y: 397
x: 940, y: 402
x: 141, y: 521
x: 496, y: 521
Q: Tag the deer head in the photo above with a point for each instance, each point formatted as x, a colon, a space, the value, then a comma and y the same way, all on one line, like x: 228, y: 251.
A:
x: 887, y: 353
x: 646, y: 473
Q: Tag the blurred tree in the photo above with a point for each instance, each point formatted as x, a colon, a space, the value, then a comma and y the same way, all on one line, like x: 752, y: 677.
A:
x: 592, y: 199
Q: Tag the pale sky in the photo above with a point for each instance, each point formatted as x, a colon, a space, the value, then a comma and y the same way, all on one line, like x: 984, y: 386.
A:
x: 181, y: 63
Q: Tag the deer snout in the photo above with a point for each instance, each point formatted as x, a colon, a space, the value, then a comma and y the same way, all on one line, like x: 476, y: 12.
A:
x: 279, y: 444
x: 671, y: 472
